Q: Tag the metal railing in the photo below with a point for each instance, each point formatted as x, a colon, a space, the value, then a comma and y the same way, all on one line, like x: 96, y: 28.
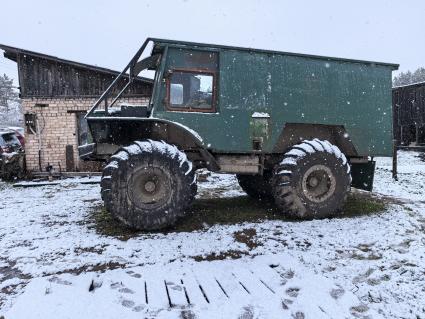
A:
x: 134, y: 69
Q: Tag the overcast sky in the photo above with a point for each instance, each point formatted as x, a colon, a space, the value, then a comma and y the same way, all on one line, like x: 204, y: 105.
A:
x: 108, y: 32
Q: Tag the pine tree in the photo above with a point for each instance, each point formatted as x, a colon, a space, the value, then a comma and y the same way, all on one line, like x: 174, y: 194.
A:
x: 405, y: 78
x: 10, y: 106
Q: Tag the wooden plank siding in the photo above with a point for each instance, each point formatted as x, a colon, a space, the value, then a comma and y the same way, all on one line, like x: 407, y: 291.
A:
x: 49, y: 78
x: 409, y: 113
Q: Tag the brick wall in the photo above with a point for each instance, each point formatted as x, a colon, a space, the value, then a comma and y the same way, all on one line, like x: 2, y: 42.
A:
x: 58, y: 124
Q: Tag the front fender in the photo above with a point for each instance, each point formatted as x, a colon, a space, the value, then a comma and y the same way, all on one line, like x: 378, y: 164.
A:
x: 124, y: 130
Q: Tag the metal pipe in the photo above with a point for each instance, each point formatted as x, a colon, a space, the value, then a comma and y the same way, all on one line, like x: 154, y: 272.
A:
x: 115, y: 81
x: 395, y: 146
x: 120, y: 93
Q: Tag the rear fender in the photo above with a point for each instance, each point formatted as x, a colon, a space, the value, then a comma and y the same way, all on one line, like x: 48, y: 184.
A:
x: 294, y: 133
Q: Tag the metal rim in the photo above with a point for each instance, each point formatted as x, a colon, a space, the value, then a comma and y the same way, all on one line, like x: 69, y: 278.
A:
x: 318, y: 183
x: 149, y: 186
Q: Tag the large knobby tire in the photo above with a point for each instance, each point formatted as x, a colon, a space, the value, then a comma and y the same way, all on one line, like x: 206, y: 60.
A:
x: 258, y: 187
x: 148, y: 185
x: 312, y: 180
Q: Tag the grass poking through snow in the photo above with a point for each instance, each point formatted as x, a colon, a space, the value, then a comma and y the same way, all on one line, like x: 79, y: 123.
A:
x: 205, y: 213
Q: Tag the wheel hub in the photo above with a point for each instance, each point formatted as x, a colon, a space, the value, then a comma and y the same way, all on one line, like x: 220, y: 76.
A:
x: 318, y: 183
x: 149, y: 185
x: 313, y: 182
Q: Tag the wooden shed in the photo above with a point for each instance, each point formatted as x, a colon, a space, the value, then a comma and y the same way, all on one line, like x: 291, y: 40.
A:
x: 56, y: 93
x: 409, y: 115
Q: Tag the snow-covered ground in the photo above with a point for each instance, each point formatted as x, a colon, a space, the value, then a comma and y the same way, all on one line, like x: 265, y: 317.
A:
x: 54, y: 263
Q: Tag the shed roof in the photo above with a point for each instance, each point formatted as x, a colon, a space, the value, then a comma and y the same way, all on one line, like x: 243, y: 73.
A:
x: 225, y: 47
x: 422, y: 83
x: 12, y: 52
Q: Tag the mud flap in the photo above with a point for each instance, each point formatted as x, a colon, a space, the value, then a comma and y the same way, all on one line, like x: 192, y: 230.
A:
x: 362, y: 175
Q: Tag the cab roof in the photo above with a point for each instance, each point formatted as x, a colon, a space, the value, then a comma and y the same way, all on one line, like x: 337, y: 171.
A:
x: 159, y: 43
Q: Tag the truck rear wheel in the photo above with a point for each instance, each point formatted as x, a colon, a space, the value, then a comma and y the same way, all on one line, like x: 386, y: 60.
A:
x: 257, y: 186
x: 312, y: 180
x: 148, y: 185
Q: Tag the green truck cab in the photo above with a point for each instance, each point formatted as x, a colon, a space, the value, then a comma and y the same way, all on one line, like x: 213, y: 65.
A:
x: 296, y: 129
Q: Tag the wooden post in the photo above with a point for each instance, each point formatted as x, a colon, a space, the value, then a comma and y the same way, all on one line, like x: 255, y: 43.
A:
x: 395, y: 146
x: 417, y: 134
x: 69, y: 155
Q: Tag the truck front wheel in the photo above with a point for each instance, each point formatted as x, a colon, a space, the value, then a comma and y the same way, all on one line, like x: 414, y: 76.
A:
x: 312, y: 180
x: 148, y: 185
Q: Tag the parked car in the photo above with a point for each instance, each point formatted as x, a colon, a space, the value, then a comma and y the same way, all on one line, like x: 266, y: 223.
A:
x: 20, y: 133
x: 11, y: 156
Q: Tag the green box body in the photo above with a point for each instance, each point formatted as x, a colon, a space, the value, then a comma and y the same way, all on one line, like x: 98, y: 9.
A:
x: 290, y: 88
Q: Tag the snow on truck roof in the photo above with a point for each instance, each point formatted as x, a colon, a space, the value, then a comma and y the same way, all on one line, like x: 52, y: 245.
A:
x: 226, y: 47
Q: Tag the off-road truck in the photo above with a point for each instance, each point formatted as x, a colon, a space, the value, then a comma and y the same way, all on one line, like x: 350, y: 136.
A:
x: 296, y: 129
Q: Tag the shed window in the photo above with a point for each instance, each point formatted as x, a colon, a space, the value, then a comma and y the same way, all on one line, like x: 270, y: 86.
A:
x: 191, y: 91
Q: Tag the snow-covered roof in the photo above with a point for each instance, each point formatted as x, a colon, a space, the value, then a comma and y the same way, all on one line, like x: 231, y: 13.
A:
x: 411, y: 84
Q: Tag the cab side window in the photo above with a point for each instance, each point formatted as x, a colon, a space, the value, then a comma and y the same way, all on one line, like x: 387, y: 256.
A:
x: 191, y: 90
x: 191, y: 80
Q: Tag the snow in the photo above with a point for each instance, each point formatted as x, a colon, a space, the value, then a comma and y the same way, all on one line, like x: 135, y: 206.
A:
x: 307, y: 148
x: 260, y: 115
x: 348, y: 267
x: 148, y: 146
x: 300, y: 150
x: 296, y: 152
x: 229, y: 289
x: 112, y: 164
x: 172, y: 150
x: 121, y: 156
x: 289, y: 161
x: 284, y: 171
x: 315, y: 144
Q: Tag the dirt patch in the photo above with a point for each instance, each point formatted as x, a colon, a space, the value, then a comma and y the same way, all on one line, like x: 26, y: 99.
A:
x: 369, y: 256
x: 205, y: 213
x: 94, y: 250
x: 247, y: 236
x: 91, y: 268
x: 10, y: 271
x: 230, y: 254
x: 13, y: 289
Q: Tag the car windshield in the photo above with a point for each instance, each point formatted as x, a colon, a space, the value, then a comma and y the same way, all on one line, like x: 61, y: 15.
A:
x: 9, y: 139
